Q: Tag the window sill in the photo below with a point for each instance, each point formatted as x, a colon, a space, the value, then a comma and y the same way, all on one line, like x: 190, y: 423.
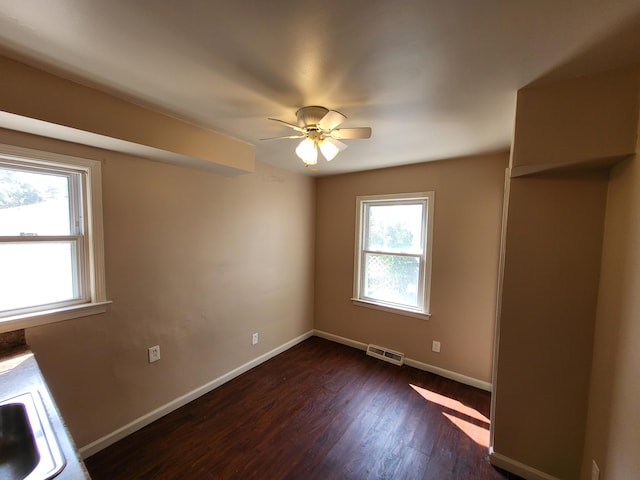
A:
x: 386, y: 308
x: 27, y: 320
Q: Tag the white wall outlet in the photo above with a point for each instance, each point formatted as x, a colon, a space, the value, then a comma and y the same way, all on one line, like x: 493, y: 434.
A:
x: 154, y: 353
x: 435, y: 346
x: 254, y: 339
x: 595, y: 471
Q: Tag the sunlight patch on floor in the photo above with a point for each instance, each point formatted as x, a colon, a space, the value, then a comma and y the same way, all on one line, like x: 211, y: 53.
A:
x: 470, y: 421
x: 477, y: 433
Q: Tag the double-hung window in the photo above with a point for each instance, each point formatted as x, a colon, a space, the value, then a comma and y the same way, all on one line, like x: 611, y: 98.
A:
x: 393, y: 252
x: 51, y: 246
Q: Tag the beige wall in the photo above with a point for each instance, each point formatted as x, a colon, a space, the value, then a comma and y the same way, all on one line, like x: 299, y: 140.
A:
x: 552, y: 261
x: 468, y: 208
x: 552, y: 291
x: 195, y: 263
x: 589, y: 119
x: 38, y: 102
x: 613, y: 423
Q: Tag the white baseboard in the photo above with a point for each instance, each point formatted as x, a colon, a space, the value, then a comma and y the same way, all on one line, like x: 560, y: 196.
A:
x: 519, y: 468
x: 458, y: 377
x: 342, y: 340
x: 137, y: 424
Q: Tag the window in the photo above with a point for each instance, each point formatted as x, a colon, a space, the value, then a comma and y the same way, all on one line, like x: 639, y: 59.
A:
x: 393, y: 252
x: 51, y: 246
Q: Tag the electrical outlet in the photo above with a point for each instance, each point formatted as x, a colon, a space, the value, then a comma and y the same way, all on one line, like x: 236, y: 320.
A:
x: 254, y: 339
x: 595, y: 471
x: 435, y: 346
x: 154, y: 353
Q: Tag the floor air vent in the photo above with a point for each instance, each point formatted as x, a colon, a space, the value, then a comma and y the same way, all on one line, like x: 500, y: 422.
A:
x: 385, y: 354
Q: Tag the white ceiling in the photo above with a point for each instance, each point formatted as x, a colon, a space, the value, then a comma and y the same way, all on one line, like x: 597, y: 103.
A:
x: 434, y: 79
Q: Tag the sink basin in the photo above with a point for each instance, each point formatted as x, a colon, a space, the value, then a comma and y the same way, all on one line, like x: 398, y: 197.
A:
x: 28, y: 447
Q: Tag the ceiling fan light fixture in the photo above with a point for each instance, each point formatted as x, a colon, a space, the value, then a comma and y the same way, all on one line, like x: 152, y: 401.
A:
x: 318, y: 127
x: 307, y: 151
x: 328, y: 150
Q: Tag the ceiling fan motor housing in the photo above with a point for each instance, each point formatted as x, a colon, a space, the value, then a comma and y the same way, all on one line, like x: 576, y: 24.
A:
x: 310, y: 116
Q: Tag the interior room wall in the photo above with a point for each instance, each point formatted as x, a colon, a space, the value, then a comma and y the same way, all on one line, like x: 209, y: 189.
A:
x: 568, y: 137
x: 613, y: 422
x: 468, y: 214
x: 195, y: 263
x: 587, y: 119
x: 552, y: 261
x: 38, y: 102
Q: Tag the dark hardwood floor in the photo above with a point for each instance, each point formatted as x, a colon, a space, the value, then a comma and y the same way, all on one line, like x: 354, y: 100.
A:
x: 317, y: 411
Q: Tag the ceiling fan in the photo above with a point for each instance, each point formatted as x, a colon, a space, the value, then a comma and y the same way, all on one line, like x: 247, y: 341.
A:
x: 318, y: 127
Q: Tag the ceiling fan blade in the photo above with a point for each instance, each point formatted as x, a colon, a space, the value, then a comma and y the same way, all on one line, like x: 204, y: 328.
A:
x: 285, y: 136
x: 349, y: 133
x: 290, y: 125
x: 331, y: 120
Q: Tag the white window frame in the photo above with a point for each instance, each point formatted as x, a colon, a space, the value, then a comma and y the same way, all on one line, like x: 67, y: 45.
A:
x: 424, y: 295
x: 91, y: 268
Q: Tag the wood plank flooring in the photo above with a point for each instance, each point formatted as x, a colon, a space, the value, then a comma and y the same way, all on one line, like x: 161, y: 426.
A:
x: 317, y: 411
